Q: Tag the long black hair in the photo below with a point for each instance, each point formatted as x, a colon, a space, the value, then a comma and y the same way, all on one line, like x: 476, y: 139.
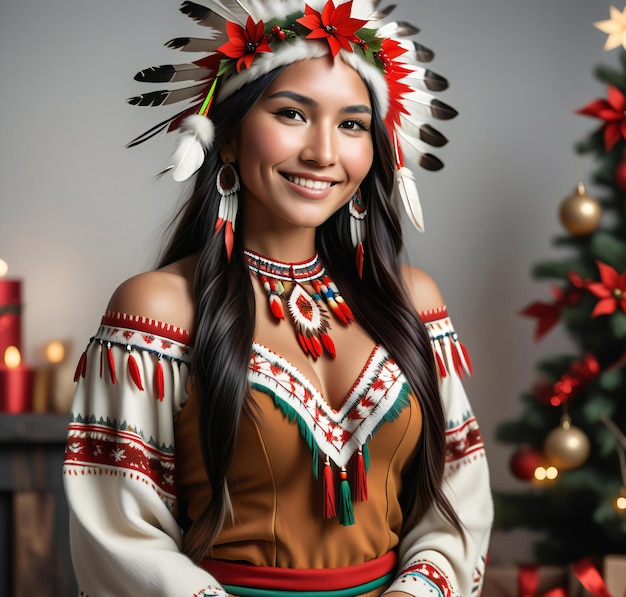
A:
x: 225, y: 318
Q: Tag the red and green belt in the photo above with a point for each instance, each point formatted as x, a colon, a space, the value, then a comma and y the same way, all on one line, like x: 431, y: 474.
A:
x: 246, y: 580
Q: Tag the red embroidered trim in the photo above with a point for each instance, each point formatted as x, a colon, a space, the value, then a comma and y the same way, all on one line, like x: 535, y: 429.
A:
x: 431, y: 573
x: 100, y: 446
x: 431, y: 315
x: 148, y: 326
x: 463, y: 440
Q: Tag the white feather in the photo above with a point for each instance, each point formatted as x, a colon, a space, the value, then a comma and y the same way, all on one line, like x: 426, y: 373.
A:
x: 201, y: 127
x: 187, y: 158
x: 413, y: 149
x: 405, y: 184
x: 197, y: 133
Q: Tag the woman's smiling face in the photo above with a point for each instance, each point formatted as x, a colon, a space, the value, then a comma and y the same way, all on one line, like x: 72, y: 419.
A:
x: 305, y: 146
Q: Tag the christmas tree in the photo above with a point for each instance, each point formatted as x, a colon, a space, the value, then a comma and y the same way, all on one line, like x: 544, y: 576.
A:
x: 569, y: 440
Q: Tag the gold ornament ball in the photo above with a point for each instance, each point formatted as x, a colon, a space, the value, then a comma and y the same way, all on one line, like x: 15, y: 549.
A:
x: 580, y: 213
x: 566, y: 447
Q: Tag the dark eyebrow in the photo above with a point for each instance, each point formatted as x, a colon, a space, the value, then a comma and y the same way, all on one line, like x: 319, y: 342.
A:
x: 296, y: 97
x: 358, y: 109
x: 303, y: 99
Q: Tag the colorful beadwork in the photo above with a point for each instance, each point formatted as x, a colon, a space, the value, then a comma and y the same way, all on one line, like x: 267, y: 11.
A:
x: 283, y: 282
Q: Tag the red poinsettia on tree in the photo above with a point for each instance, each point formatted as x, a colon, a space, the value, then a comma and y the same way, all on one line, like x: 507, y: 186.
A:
x: 613, y: 111
x: 611, y: 290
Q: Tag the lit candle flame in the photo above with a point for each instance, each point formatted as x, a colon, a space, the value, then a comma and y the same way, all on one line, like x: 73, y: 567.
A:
x: 12, y: 357
x: 4, y: 268
x: 55, y: 351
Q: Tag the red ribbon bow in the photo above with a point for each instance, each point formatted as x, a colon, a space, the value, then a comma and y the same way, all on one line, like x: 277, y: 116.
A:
x: 585, y: 571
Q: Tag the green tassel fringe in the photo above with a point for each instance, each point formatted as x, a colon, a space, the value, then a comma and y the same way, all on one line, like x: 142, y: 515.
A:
x: 346, y: 514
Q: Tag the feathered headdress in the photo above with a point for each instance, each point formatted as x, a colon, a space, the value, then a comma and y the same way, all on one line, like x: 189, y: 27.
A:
x: 248, y: 38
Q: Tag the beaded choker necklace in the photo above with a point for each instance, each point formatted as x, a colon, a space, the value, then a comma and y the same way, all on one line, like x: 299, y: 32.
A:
x: 282, y: 282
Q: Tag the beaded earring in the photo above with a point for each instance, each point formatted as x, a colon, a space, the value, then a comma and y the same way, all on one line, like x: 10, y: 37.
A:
x: 358, y: 212
x: 227, y: 182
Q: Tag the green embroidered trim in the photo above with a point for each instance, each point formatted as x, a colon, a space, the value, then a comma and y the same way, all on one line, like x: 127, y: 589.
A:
x: 350, y: 592
x: 294, y: 417
x: 402, y: 401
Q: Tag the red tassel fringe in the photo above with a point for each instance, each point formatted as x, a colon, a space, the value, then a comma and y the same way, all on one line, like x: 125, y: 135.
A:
x: 360, y: 253
x: 81, y: 368
x: 330, y: 503
x: 133, y: 369
x: 329, y: 345
x: 467, y: 358
x: 276, y: 306
x: 159, y: 381
x: 303, y: 345
x: 316, y: 345
x: 346, y: 310
x: 440, y: 364
x: 456, y: 359
x: 111, y: 364
x: 361, y: 478
x: 229, y: 239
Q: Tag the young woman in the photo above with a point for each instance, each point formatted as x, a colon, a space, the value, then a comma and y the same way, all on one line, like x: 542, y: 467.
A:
x: 277, y: 409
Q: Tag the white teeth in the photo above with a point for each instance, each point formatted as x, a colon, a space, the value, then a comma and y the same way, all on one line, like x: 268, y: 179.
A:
x: 308, y: 183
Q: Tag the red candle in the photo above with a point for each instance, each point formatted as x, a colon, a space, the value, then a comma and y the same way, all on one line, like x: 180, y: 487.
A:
x: 16, y: 383
x: 10, y: 314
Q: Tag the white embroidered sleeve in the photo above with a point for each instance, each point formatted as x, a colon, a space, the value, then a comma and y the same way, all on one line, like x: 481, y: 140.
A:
x: 119, y: 464
x: 433, y: 559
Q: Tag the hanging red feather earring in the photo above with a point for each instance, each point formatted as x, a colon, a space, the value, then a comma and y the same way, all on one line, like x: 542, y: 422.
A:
x: 227, y: 182
x: 358, y: 212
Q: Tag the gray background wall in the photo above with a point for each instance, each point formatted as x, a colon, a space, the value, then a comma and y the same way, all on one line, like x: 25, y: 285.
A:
x: 79, y: 213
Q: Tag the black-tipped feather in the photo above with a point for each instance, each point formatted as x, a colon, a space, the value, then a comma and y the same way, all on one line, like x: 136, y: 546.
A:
x: 383, y: 12
x: 420, y: 52
x: 426, y: 79
x: 202, y: 15
x: 173, y: 73
x: 165, y: 96
x: 195, y: 44
x: 442, y: 111
x: 430, y: 162
x: 435, y: 82
x: 432, y: 136
x: 406, y: 29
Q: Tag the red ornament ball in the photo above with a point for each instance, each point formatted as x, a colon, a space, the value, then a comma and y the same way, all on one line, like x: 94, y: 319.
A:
x: 524, y: 462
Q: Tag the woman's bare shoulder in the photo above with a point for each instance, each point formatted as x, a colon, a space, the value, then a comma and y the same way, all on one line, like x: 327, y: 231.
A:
x: 422, y: 288
x: 164, y: 295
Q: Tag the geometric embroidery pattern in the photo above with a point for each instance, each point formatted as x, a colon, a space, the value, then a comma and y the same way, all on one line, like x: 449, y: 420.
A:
x: 464, y: 443
x: 380, y: 392
x: 100, y: 449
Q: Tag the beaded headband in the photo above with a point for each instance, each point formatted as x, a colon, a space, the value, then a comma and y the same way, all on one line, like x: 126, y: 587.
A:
x: 249, y: 38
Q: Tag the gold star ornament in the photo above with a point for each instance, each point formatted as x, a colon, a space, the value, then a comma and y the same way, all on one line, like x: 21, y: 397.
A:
x: 615, y: 27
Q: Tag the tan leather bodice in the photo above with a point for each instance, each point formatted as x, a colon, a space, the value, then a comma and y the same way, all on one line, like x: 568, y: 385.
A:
x: 277, y: 500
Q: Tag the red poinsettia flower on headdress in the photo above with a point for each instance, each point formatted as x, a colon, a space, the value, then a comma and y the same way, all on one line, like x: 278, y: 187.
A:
x: 613, y: 111
x: 394, y: 73
x: 611, y: 290
x: 244, y: 44
x: 333, y: 24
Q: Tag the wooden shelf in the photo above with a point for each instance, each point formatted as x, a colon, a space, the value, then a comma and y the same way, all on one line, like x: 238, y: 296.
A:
x: 33, y: 428
x: 34, y: 518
